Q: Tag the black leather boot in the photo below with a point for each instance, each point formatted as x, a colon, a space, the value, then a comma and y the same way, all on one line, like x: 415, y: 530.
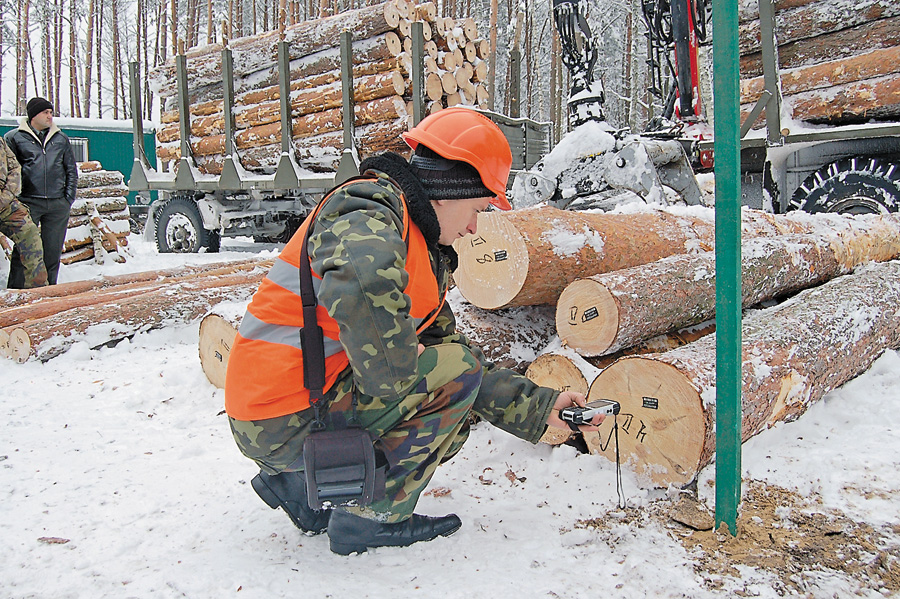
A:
x: 288, y: 491
x: 348, y: 533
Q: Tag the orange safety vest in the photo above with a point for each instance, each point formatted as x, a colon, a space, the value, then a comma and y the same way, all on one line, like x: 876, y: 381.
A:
x: 265, y: 366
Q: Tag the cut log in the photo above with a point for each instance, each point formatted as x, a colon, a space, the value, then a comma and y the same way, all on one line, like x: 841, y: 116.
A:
x: 19, y: 306
x: 815, y: 19
x: 613, y: 311
x: 526, y: 257
x: 256, y: 53
x: 793, y: 354
x: 510, y: 338
x: 559, y: 375
x: 115, y: 320
x: 872, y: 35
x: 217, y: 335
x: 829, y: 74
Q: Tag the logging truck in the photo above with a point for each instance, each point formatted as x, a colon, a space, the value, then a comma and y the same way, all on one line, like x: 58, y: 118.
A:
x: 253, y: 132
x: 824, y: 100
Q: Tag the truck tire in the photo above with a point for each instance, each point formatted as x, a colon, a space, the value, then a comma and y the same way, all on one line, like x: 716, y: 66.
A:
x: 851, y: 186
x: 179, y: 227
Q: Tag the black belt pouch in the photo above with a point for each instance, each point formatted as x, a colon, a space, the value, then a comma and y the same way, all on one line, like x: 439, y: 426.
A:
x: 341, y: 468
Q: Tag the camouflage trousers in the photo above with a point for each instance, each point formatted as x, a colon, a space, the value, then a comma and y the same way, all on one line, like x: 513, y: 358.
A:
x: 16, y: 223
x: 416, y: 434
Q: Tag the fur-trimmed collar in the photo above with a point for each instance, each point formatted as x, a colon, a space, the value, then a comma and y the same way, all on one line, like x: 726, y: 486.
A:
x: 420, y: 209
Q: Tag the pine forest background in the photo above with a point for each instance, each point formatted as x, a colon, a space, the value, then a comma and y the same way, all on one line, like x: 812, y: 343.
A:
x: 76, y: 52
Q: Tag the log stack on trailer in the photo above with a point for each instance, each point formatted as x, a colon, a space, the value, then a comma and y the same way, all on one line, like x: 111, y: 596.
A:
x: 455, y: 69
x: 839, y: 61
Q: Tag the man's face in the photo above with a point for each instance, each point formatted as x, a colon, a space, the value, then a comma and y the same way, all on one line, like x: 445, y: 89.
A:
x: 42, y: 120
x: 458, y: 217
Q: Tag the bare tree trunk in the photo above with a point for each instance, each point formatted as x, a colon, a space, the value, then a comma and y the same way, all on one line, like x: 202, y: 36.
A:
x: 492, y: 75
x: 99, y: 54
x: 88, y: 63
x: 162, y: 43
x: 56, y: 58
x: 210, y: 31
x: 114, y: 23
x: 174, y: 27
x: 74, y: 100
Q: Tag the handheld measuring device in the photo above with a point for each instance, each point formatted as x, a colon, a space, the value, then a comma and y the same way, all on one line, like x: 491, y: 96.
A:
x: 579, y: 415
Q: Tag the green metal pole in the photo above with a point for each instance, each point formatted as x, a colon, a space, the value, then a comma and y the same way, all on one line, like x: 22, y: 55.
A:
x: 728, y: 262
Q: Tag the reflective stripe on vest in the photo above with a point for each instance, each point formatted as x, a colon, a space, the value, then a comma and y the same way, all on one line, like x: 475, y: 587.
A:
x: 265, y: 366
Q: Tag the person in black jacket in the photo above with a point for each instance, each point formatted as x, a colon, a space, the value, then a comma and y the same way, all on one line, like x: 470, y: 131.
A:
x: 49, y: 179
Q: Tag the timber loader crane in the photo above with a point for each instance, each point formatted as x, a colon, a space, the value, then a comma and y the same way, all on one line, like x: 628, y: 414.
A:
x: 847, y: 161
x: 597, y: 166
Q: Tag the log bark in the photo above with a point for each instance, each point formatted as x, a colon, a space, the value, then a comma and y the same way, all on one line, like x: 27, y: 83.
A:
x: 846, y: 43
x: 815, y: 19
x: 526, y: 257
x: 256, y: 53
x: 19, y: 306
x: 510, y: 338
x: 793, y: 354
x: 613, y: 311
x: 176, y: 303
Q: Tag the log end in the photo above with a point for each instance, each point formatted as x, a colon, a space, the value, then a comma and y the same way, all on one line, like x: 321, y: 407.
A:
x: 661, y: 422
x: 493, y: 263
x: 587, y: 317
x: 556, y: 372
x: 18, y: 346
x: 216, y: 339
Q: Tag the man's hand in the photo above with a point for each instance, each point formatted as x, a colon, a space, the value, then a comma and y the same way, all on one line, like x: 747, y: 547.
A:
x: 565, y: 400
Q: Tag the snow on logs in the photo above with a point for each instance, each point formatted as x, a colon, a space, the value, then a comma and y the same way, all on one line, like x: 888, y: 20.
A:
x: 613, y: 311
x: 527, y: 257
x: 506, y: 337
x: 793, y: 354
x: 99, y: 218
x: 45, y: 322
x: 839, y: 61
x: 455, y: 71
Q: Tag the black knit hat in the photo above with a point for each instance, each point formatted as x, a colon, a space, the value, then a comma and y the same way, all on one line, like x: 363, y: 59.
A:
x: 445, y: 179
x: 36, y: 106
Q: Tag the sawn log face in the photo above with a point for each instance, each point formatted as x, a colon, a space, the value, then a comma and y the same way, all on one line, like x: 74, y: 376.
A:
x: 793, y: 354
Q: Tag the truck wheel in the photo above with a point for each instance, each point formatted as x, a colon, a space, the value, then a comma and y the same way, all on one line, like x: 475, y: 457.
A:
x: 851, y: 186
x: 179, y: 228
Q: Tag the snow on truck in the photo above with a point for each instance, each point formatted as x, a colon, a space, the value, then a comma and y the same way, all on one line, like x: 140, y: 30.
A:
x: 255, y: 132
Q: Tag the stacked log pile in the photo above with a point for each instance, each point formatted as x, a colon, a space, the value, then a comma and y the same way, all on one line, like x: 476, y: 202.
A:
x: 455, y: 71
x: 99, y: 219
x: 45, y: 322
x: 840, y: 62
x: 653, y: 294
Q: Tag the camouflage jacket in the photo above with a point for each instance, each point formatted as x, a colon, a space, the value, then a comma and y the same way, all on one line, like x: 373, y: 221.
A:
x: 10, y: 176
x: 356, y: 246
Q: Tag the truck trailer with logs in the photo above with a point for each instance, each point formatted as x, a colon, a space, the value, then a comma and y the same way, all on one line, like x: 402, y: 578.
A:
x: 254, y: 132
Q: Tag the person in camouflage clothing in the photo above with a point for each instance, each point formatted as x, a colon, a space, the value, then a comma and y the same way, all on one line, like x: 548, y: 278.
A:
x: 380, y: 249
x: 16, y: 223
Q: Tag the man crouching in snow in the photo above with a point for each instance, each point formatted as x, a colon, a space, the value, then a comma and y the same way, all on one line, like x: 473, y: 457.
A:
x: 379, y: 249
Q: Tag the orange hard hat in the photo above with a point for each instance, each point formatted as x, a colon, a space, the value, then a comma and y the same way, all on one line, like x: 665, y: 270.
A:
x: 462, y: 134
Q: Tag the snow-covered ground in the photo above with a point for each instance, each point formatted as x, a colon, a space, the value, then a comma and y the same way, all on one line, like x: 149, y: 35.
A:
x: 119, y: 478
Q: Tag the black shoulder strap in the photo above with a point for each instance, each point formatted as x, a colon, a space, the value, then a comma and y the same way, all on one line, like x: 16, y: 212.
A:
x: 312, y: 341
